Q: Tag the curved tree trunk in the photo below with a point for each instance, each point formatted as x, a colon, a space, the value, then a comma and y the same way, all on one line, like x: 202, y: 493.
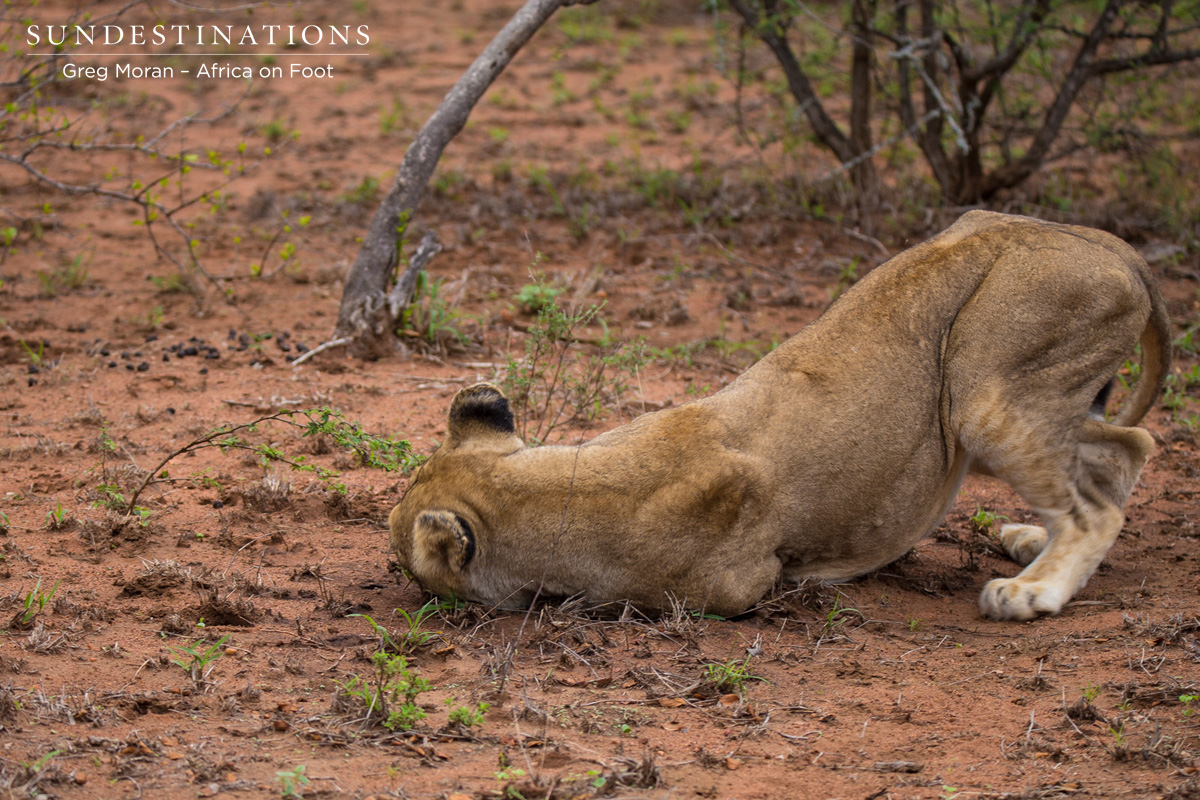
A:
x: 366, y: 319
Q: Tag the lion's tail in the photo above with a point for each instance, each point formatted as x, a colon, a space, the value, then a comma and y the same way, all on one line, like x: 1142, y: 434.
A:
x: 1156, y: 354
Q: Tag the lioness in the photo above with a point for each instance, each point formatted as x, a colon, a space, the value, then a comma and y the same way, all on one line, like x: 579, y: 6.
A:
x: 983, y: 348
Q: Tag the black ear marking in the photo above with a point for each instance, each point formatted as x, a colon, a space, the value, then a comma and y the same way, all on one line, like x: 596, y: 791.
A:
x: 466, y: 541
x: 482, y: 405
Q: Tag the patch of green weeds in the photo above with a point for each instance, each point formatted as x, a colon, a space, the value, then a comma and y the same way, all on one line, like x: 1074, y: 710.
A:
x: 413, y: 637
x: 293, y: 781
x: 371, y: 450
x: 69, y: 276
x: 729, y: 676
x: 430, y: 317
x: 35, y: 601
x: 555, y: 383
x: 171, y: 283
x: 36, y: 357
x: 447, y: 182
x: 536, y: 296
x: 275, y: 130
x: 984, y: 521
x: 58, y: 518
x: 389, y: 696
x: 466, y: 716
x: 198, y: 658
x: 363, y: 194
x: 837, y: 616
x: 585, y: 25
x: 394, y: 119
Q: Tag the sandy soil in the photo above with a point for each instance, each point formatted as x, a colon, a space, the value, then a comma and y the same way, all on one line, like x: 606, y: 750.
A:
x: 201, y: 651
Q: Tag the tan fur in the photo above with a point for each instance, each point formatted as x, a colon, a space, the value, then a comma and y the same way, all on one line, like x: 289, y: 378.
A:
x: 983, y: 348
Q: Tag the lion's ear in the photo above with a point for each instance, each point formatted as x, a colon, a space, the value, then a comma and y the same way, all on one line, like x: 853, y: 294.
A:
x: 481, y: 408
x: 442, y: 540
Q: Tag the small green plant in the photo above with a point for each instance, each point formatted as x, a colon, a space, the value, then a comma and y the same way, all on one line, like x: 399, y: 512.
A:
x: 984, y: 521
x: 5, y: 524
x: 430, y: 317
x: 155, y: 318
x: 1090, y: 693
x: 110, y: 496
x: 915, y: 624
x: 555, y: 383
x: 35, y: 601
x: 730, y: 676
x: 837, y: 616
x: 534, y: 297
x: 73, y: 275
x: 197, y: 659
x: 394, y: 119
x: 58, y: 518
x: 36, y: 357
x: 37, y: 766
x: 466, y: 716
x: 171, y: 283
x: 414, y: 637
x: 293, y: 781
x: 390, y: 696
x: 274, y: 130
x: 364, y: 193
x: 406, y: 641
x: 1190, y: 703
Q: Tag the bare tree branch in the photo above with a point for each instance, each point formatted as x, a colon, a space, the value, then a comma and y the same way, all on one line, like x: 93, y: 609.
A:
x: 364, y: 315
x: 774, y: 36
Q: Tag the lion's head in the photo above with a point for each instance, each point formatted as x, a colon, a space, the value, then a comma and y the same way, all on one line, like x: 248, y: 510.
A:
x: 439, y: 529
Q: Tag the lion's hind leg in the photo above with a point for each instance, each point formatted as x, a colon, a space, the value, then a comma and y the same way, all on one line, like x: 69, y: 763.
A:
x: 1078, y: 487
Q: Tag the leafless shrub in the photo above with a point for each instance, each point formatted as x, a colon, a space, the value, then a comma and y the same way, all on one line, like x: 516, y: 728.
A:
x: 42, y: 640
x: 157, y: 577
x: 269, y: 494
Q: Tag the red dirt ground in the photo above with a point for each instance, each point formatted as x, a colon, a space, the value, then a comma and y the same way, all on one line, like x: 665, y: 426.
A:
x: 888, y: 686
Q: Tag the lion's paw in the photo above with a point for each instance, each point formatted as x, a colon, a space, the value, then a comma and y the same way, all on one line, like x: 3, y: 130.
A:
x: 1019, y: 599
x: 1023, y: 543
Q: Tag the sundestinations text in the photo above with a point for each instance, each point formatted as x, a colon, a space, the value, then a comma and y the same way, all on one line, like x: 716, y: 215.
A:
x: 200, y: 35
